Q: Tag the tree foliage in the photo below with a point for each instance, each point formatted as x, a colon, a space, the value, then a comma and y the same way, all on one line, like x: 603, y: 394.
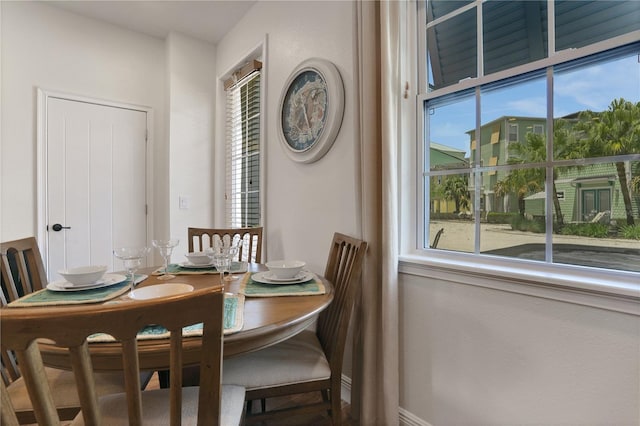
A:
x: 456, y: 188
x: 615, y: 131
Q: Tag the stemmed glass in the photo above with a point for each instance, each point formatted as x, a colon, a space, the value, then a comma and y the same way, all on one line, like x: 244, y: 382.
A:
x: 222, y: 253
x: 132, y: 259
x: 222, y: 262
x: 165, y: 247
x: 233, y: 252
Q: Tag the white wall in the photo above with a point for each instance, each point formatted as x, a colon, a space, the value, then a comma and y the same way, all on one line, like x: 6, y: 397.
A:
x: 191, y: 70
x: 479, y: 356
x: 43, y: 47
x: 305, y: 203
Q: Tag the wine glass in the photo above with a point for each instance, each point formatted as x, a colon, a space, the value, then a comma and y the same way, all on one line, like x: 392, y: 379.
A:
x: 233, y: 250
x: 132, y: 259
x: 165, y: 247
x: 221, y: 260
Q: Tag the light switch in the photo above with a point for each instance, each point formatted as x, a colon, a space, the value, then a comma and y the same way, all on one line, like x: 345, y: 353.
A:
x: 183, y: 202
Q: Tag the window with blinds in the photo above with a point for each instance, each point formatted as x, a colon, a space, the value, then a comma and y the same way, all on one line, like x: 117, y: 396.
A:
x: 242, y: 162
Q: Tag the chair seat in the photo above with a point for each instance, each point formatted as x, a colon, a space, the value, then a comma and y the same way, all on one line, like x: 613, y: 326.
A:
x: 155, y: 407
x: 63, y: 384
x: 296, y: 360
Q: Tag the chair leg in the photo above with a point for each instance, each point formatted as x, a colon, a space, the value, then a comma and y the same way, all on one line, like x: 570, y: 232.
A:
x: 336, y: 406
x: 263, y: 404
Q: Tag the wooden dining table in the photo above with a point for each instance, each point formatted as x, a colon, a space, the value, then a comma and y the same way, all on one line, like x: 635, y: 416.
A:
x: 267, y: 321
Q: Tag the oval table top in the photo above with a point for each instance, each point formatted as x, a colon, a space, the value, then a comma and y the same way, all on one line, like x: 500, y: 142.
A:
x: 267, y: 321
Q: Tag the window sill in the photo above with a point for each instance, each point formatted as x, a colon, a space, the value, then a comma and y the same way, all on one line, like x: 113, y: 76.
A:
x: 613, y: 291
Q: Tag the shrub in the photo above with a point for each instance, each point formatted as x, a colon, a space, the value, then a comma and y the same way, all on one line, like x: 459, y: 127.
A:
x: 520, y: 223
x: 630, y: 231
x: 496, y: 217
x: 593, y: 230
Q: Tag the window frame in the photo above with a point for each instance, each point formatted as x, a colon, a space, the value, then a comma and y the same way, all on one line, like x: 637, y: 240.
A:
x: 618, y: 290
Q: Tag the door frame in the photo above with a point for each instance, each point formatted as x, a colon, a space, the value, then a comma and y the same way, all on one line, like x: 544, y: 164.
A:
x: 43, y: 97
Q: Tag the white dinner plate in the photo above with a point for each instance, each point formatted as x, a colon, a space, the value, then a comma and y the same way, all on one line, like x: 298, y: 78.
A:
x: 160, y: 290
x: 107, y: 280
x: 267, y: 278
x: 189, y: 265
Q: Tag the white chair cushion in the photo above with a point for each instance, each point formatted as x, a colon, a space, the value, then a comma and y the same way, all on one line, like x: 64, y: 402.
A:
x: 63, y: 384
x: 155, y: 407
x: 296, y: 360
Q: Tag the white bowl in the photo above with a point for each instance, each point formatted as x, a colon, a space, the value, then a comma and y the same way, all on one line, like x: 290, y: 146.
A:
x: 285, y: 268
x: 198, y: 258
x: 83, y: 275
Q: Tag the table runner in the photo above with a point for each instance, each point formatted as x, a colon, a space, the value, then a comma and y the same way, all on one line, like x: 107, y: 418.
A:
x: 176, y: 269
x: 46, y: 297
x: 233, y: 321
x: 251, y: 288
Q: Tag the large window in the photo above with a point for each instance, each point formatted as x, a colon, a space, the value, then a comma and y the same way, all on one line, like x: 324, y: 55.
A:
x: 531, y: 131
x: 242, y: 189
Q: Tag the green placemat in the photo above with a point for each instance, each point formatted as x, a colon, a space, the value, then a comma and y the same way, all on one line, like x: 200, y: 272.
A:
x: 52, y: 298
x: 251, y: 288
x: 233, y: 322
x: 176, y: 269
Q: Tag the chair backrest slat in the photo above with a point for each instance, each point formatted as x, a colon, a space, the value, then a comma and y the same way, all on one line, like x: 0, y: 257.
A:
x: 251, y: 250
x: 22, y: 268
x: 69, y: 326
x: 343, y: 269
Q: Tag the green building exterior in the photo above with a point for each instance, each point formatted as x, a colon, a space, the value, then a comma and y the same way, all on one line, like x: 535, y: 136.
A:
x: 444, y: 157
x: 585, y: 193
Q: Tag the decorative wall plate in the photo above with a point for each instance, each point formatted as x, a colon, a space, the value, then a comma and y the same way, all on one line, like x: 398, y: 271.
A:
x: 311, y: 109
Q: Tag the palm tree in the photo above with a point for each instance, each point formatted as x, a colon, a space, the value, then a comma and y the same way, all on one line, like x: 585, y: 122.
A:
x: 534, y: 150
x: 523, y: 182
x: 456, y: 188
x: 615, y: 131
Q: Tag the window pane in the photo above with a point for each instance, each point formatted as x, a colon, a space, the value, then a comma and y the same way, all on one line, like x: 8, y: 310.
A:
x: 581, y: 23
x: 593, y: 214
x: 510, y: 112
x: 514, y: 216
x: 451, y: 222
x: 451, y: 50
x: 515, y: 33
x: 450, y: 130
x: 591, y: 102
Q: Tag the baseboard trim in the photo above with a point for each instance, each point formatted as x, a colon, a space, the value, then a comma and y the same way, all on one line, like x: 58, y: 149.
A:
x: 409, y: 419
x: 406, y: 418
x: 345, y: 388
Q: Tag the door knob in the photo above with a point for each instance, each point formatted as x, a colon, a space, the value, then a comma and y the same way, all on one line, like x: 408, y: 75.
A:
x: 57, y: 227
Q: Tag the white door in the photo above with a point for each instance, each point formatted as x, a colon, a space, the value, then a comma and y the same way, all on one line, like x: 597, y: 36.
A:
x: 95, y: 183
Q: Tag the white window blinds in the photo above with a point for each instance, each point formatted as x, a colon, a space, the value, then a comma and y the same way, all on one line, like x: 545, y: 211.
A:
x: 242, y: 190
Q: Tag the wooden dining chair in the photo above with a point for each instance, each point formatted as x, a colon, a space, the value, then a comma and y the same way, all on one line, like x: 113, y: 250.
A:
x: 251, y: 250
x: 310, y: 361
x: 22, y: 272
x: 69, y: 326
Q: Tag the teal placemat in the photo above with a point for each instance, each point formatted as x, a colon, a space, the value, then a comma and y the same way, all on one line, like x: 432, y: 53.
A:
x: 52, y: 298
x: 176, y: 269
x: 233, y: 322
x: 251, y: 288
